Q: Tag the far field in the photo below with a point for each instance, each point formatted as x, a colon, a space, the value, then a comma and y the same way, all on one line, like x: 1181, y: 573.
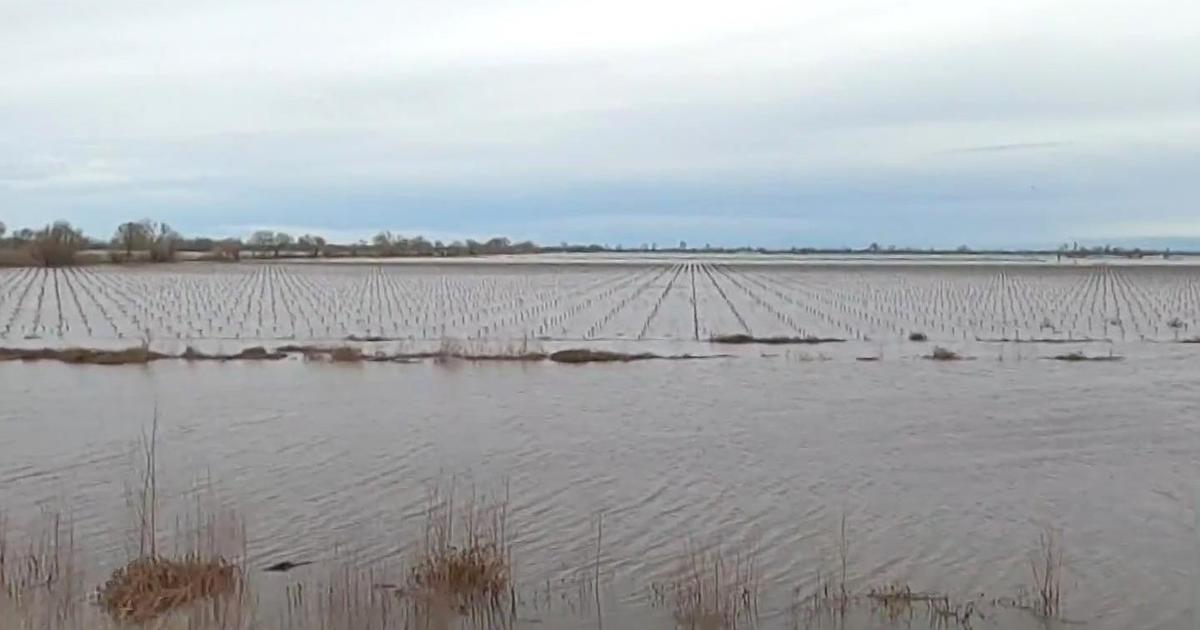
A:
x: 657, y: 300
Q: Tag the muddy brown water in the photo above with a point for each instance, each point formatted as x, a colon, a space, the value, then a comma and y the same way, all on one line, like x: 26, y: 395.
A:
x: 946, y: 472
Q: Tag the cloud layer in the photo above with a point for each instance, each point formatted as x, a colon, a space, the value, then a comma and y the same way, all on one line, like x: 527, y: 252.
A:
x: 761, y: 121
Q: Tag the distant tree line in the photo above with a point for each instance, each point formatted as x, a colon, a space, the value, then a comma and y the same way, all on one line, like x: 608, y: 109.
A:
x: 149, y: 241
x: 61, y: 244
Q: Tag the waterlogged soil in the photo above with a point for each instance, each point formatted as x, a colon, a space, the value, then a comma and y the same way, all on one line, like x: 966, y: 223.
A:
x: 230, y: 307
x: 946, y: 472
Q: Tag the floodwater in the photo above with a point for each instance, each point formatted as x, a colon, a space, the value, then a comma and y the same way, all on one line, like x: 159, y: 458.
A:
x: 946, y: 473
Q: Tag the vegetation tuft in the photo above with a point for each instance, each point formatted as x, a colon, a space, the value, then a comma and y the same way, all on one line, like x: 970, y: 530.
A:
x: 83, y: 356
x: 151, y: 586
x: 466, y: 562
x: 711, y: 590
x: 750, y: 339
x: 1077, y: 357
x: 943, y: 354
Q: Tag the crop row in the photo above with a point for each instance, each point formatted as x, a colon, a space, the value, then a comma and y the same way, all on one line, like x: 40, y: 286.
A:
x: 682, y: 300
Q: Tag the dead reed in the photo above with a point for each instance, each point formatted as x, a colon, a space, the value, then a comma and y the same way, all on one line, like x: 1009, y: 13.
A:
x: 711, y: 590
x: 898, y: 601
x: 40, y: 584
x: 152, y: 584
x: 1046, y: 569
x: 465, y: 565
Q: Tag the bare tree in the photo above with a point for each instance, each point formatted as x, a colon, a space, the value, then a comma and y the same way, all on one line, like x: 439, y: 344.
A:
x: 310, y: 241
x: 282, y: 240
x: 57, y: 244
x: 384, y: 244
x: 134, y: 235
x: 164, y: 243
x: 262, y: 240
x: 3, y: 229
x: 229, y: 249
x: 420, y: 246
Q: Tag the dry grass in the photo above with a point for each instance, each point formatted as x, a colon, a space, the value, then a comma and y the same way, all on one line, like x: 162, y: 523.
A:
x: 898, y: 601
x: 17, y: 257
x: 152, y: 584
x: 41, y: 584
x: 1046, y: 569
x: 149, y: 587
x: 465, y: 565
x: 711, y: 590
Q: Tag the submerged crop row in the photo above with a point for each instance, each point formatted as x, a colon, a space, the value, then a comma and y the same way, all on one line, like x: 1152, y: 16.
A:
x: 685, y: 300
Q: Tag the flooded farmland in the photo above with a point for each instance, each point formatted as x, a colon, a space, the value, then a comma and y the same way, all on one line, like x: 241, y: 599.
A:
x: 856, y: 461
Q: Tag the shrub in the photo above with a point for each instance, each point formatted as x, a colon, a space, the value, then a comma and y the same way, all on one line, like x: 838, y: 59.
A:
x: 57, y: 245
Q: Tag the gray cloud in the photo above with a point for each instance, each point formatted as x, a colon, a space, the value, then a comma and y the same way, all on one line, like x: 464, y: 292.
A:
x: 560, y: 118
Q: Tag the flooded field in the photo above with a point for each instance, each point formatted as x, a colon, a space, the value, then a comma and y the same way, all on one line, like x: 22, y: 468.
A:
x: 672, y: 300
x: 939, y: 475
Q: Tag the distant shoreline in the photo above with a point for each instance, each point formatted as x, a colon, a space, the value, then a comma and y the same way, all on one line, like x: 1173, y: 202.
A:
x: 765, y: 258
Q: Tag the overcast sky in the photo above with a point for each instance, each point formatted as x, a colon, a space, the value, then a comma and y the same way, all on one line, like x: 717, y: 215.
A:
x: 1012, y: 122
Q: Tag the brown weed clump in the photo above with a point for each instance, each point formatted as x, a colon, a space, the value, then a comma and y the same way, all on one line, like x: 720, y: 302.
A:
x: 465, y: 577
x: 151, y: 586
x: 464, y: 568
x: 943, y: 354
x: 740, y: 339
x: 584, y: 355
x: 255, y: 353
x: 83, y: 356
x: 1075, y: 357
x: 346, y: 354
